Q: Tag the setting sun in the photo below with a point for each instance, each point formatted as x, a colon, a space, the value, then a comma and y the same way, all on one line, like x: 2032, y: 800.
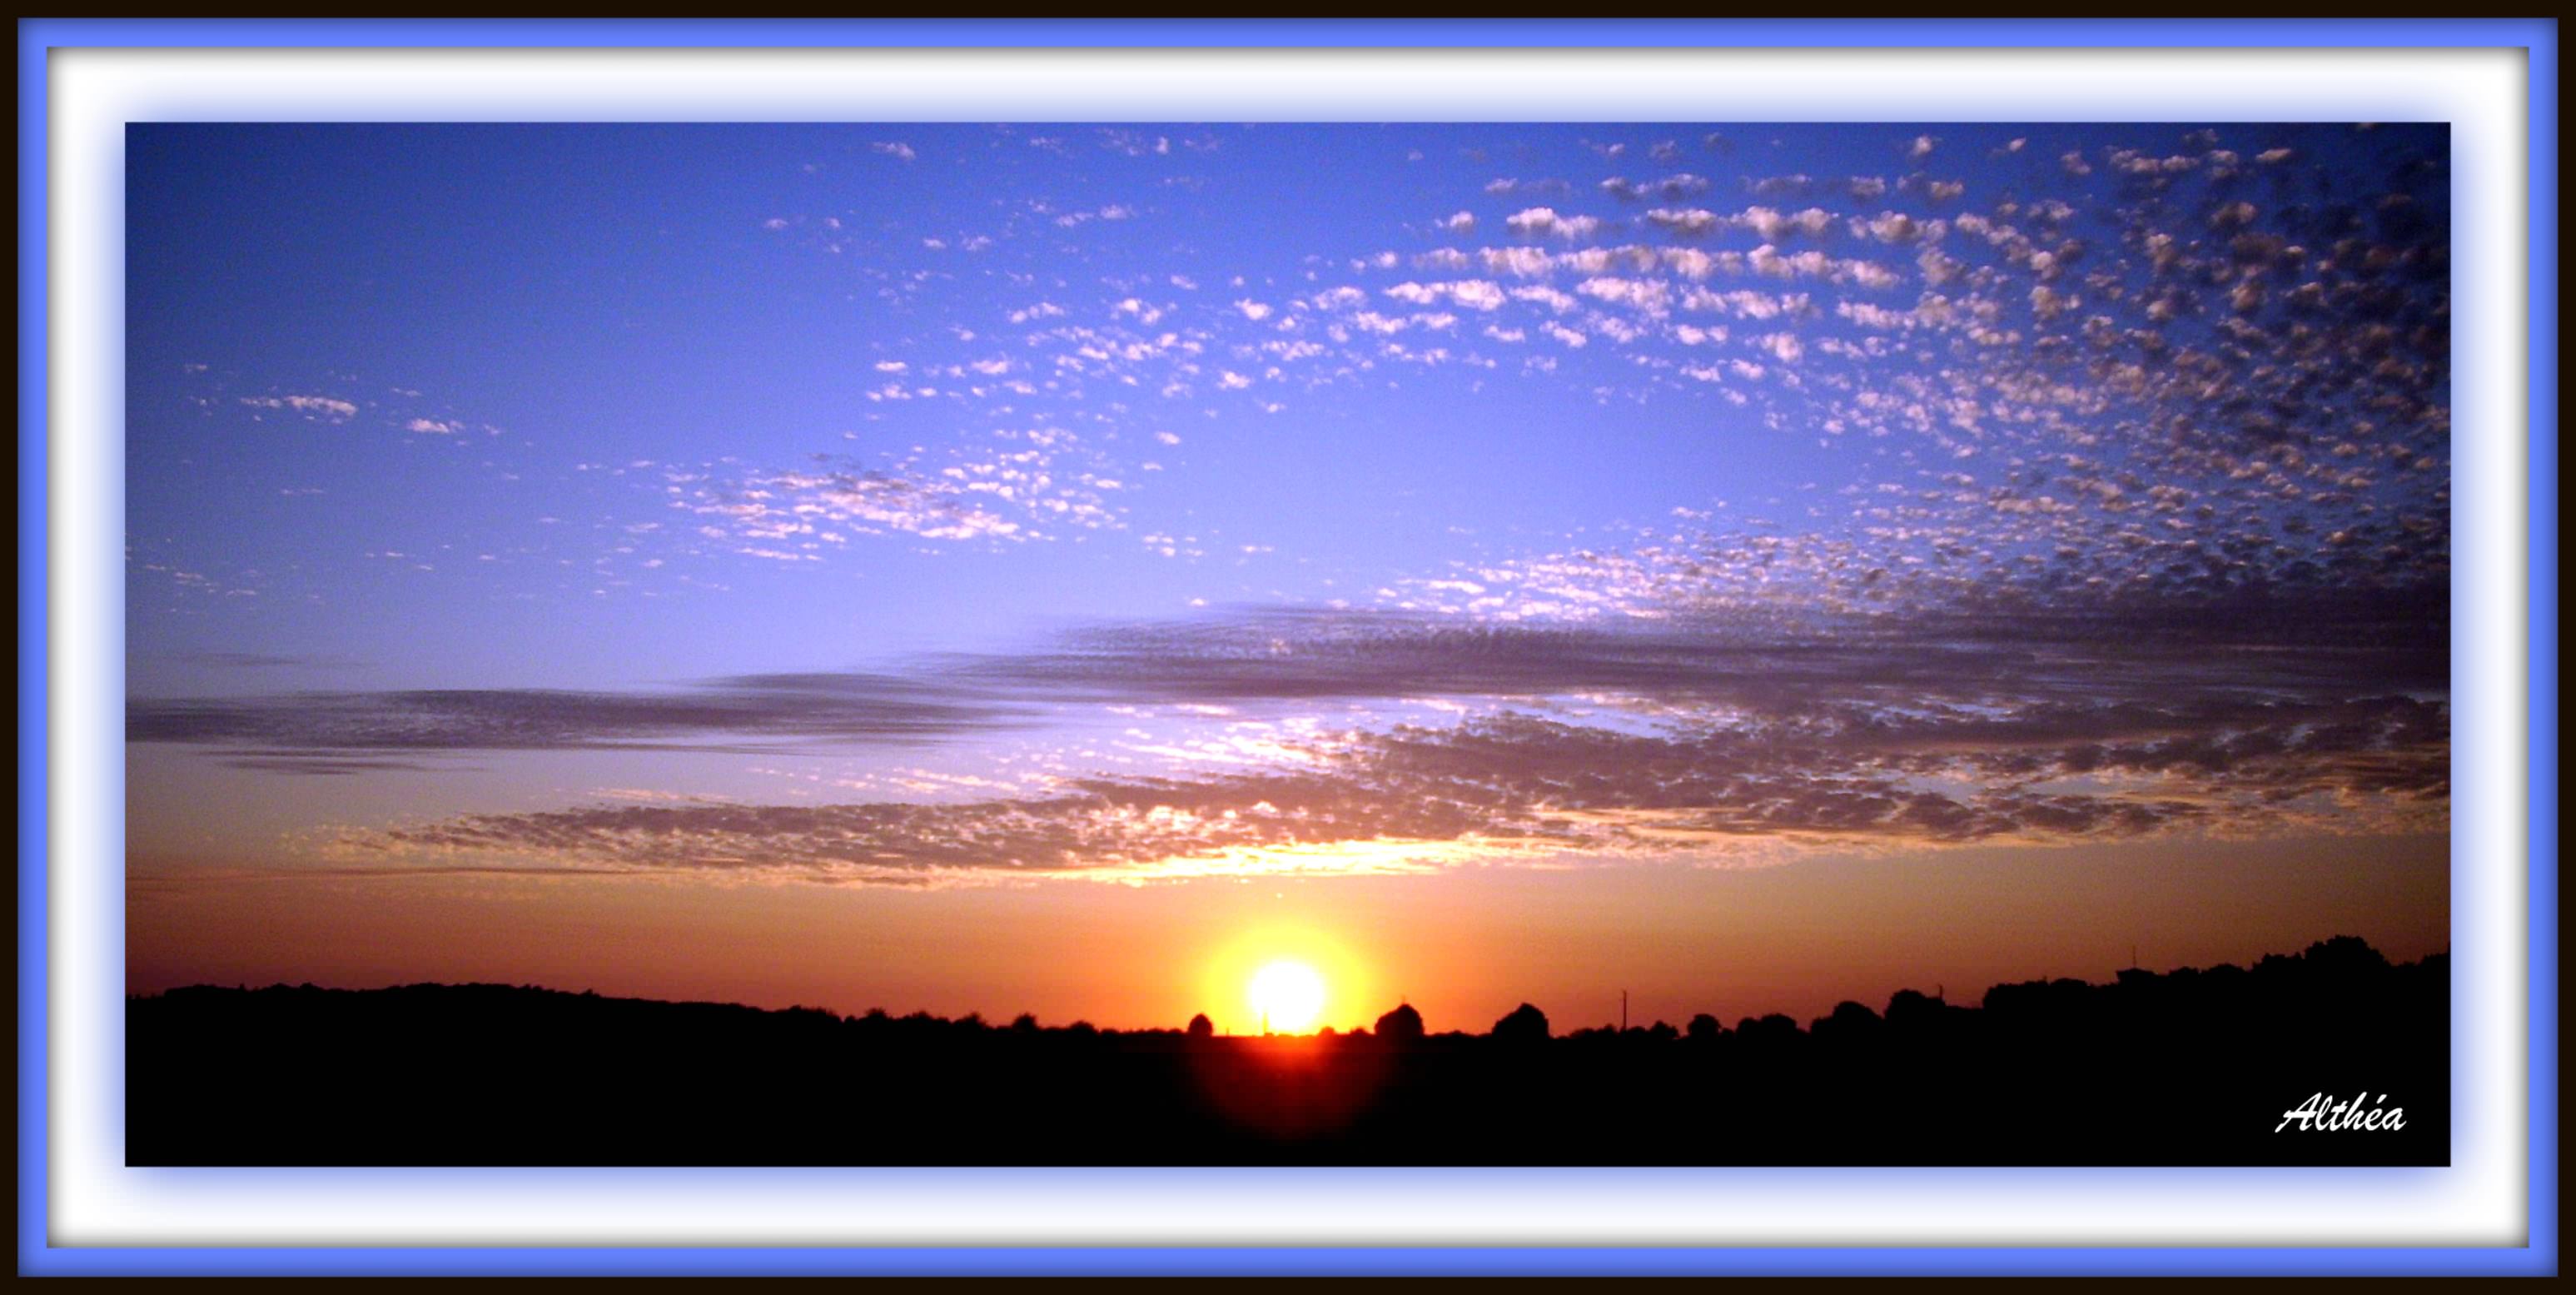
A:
x: 1288, y: 995
x: 1286, y: 976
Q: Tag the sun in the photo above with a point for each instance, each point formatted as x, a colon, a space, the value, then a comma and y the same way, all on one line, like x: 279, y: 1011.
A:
x: 1293, y: 977
x: 1289, y: 996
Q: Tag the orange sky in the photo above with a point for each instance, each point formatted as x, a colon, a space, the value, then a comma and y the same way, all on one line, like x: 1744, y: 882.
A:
x: 1463, y: 945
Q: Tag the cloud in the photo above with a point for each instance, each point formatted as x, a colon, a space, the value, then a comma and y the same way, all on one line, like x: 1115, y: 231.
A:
x: 1521, y: 787
x: 1898, y: 227
x: 749, y: 712
x: 1693, y: 222
x: 1671, y: 188
x: 792, y: 506
x: 324, y: 766
x: 1776, y: 226
x: 1726, y: 639
x: 1784, y: 347
x: 978, y: 494
x: 266, y: 661
x: 1470, y: 294
x: 326, y: 408
x: 1544, y: 222
x: 1651, y: 297
x: 1731, y: 721
x: 1518, y: 262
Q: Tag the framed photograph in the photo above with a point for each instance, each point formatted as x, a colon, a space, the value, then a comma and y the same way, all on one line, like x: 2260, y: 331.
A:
x: 1287, y: 647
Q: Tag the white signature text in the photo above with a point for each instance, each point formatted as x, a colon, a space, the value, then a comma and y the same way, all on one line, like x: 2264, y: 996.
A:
x: 2323, y: 1113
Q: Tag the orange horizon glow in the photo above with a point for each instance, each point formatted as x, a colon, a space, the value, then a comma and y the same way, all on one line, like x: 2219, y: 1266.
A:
x: 1463, y: 948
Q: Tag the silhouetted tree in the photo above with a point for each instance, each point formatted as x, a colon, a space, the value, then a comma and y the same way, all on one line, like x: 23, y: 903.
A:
x: 2346, y: 955
x: 1913, y: 1009
x: 1850, y: 1023
x: 1704, y: 1027
x: 1774, y: 1028
x: 1201, y: 1027
x: 1403, y: 1025
x: 1524, y: 1023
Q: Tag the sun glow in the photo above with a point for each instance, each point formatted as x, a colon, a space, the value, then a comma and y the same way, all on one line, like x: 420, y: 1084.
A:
x: 1288, y: 995
x: 1299, y: 975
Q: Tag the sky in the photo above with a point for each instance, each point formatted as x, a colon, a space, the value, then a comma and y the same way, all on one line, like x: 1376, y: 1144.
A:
x: 1059, y: 568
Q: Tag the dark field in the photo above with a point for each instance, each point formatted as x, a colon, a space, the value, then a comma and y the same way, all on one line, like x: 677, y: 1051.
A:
x: 2194, y: 1067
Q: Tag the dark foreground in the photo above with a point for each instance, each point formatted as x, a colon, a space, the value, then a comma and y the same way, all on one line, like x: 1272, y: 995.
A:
x: 2195, y: 1067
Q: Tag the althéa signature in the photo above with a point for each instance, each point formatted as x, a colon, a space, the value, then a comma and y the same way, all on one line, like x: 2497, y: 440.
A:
x: 2323, y: 1114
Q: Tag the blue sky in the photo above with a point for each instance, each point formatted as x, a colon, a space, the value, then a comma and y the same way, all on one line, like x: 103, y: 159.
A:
x: 1501, y: 493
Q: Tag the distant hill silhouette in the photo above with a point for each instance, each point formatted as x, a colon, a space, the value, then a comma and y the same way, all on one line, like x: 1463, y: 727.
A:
x: 2196, y: 1066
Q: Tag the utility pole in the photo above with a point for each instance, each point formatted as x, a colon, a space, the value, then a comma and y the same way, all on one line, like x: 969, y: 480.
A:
x: 1623, y: 1011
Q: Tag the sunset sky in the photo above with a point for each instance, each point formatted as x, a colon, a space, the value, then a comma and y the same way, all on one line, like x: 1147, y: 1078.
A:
x: 1061, y: 568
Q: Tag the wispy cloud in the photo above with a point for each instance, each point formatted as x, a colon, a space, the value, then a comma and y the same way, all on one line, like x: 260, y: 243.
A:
x: 1674, y: 740
x: 732, y: 714
x: 1516, y: 787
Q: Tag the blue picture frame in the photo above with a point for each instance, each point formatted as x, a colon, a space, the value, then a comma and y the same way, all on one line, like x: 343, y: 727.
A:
x: 38, y: 1255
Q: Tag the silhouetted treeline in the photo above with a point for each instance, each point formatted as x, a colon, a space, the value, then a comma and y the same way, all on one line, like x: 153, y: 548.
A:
x: 2196, y: 1066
